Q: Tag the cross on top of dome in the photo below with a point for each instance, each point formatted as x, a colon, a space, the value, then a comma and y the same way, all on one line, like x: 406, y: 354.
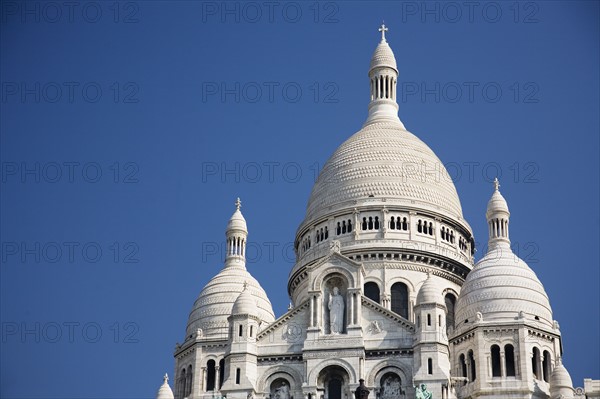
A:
x: 496, y: 184
x: 238, y: 204
x: 383, y: 29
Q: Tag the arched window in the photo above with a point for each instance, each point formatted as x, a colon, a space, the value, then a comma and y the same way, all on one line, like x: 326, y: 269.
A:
x: 443, y: 233
x: 450, y: 300
x: 180, y: 383
x: 420, y: 226
x: 404, y: 224
x: 238, y: 374
x: 463, y: 365
x: 376, y: 222
x: 535, y: 363
x: 472, y: 365
x: 370, y: 223
x: 222, y: 373
x: 349, y: 226
x: 210, y: 375
x: 188, y: 382
x: 429, y: 366
x: 339, y: 229
x: 240, y: 330
x: 546, y: 366
x: 428, y: 319
x: 430, y: 228
x: 392, y: 224
x: 496, y: 370
x: 509, y: 359
x: 372, y: 291
x: 364, y: 224
x: 400, y: 299
x: 326, y: 233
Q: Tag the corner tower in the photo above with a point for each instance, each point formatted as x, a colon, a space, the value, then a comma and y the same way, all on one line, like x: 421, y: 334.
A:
x: 506, y: 343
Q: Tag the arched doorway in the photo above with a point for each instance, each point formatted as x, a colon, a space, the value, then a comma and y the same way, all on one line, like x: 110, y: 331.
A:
x: 333, y: 383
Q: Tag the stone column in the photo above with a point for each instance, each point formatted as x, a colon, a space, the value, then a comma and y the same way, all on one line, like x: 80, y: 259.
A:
x: 217, y: 378
x: 319, y: 322
x: 502, y: 363
x: 358, y: 309
x: 350, y: 313
x: 204, y: 379
x: 312, y: 310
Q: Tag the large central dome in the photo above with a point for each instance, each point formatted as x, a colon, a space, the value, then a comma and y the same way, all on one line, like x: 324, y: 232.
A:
x: 384, y: 161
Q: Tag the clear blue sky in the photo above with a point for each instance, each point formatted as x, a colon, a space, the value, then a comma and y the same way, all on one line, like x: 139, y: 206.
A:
x: 128, y: 131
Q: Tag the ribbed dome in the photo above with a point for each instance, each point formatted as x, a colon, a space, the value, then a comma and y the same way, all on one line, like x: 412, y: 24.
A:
x: 383, y: 56
x: 430, y: 292
x: 500, y: 286
x: 561, y: 382
x: 244, y: 304
x: 165, y: 392
x: 215, y: 302
x: 383, y: 160
x: 237, y: 221
x: 496, y: 204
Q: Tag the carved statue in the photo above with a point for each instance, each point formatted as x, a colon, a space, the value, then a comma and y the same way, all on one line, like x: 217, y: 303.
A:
x: 283, y: 392
x: 391, y: 388
x: 336, y: 312
x: 421, y: 392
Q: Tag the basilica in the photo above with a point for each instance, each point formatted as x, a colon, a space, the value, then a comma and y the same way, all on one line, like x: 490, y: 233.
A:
x: 384, y: 291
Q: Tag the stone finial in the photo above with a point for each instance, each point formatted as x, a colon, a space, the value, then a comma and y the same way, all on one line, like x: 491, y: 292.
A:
x: 238, y: 204
x: 383, y: 29
x: 166, y: 379
x: 496, y: 184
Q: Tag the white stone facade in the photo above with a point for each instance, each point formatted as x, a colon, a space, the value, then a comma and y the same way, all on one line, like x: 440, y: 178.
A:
x: 386, y: 236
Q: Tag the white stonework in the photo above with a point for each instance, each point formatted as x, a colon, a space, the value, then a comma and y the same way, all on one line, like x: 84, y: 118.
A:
x: 385, y: 239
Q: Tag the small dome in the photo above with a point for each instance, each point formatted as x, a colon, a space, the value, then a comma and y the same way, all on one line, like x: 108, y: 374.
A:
x: 237, y: 221
x: 560, y: 382
x: 244, y: 304
x: 215, y: 302
x: 165, y: 392
x: 502, y: 287
x: 430, y: 292
x: 497, y: 203
x: 383, y: 57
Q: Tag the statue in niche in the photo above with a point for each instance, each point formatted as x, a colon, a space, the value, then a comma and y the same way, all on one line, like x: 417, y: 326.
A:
x: 336, y: 312
x: 283, y: 392
x: 421, y: 392
x: 390, y: 388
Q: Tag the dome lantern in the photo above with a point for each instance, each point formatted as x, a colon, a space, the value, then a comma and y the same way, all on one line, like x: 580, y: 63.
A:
x: 237, y: 234
x: 383, y: 76
x: 497, y: 216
